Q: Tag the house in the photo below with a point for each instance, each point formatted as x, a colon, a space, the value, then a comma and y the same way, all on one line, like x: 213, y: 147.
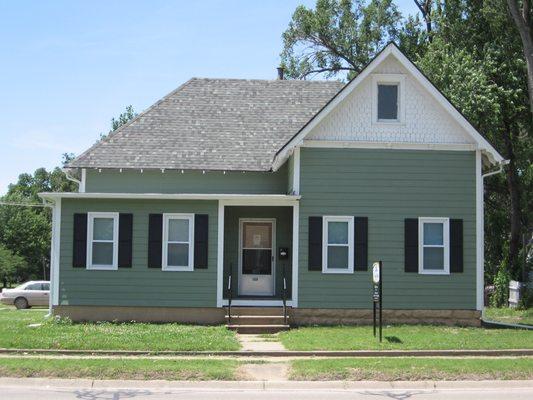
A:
x: 256, y: 191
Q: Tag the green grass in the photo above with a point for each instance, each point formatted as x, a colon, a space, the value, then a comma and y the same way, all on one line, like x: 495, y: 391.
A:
x: 510, y: 315
x: 390, y: 369
x: 405, y: 337
x: 201, y: 369
x: 15, y: 332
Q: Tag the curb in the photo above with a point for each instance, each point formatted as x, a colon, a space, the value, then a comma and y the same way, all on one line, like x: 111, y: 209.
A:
x: 283, y: 353
x: 88, y: 384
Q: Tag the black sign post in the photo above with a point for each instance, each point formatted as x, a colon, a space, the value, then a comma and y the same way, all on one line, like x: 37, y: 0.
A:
x: 377, y: 295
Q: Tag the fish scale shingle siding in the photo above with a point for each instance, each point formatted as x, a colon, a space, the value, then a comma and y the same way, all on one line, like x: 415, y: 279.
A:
x: 388, y: 186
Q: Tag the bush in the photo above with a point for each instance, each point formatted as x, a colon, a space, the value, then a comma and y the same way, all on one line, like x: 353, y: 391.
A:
x: 501, y: 288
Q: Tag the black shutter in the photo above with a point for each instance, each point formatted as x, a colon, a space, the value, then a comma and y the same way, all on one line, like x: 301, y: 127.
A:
x: 79, y: 256
x: 125, y: 238
x: 411, y: 245
x: 361, y: 243
x: 456, y: 245
x: 201, y: 228
x: 315, y: 244
x: 155, y: 240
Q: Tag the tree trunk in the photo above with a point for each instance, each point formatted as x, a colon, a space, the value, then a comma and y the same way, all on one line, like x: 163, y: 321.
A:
x: 425, y: 8
x: 515, y: 217
x: 523, y: 24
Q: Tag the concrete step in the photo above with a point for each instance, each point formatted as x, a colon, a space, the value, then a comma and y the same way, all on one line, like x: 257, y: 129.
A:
x: 256, y: 319
x: 257, y: 329
x: 241, y: 310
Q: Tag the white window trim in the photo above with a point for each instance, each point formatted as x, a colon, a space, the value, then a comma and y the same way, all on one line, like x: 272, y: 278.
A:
x: 166, y: 219
x: 325, y: 221
x: 90, y: 227
x: 446, y: 243
x: 397, y: 79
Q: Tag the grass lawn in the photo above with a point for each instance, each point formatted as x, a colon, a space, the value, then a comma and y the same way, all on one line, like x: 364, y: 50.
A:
x: 201, y: 369
x: 405, y: 337
x: 15, y: 332
x: 405, y: 368
x: 510, y: 315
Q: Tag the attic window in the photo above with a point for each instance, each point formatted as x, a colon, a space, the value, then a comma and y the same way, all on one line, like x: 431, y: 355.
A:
x: 387, y: 102
x: 388, y: 97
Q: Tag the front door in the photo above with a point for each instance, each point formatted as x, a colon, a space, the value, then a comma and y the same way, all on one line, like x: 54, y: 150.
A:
x: 256, y: 257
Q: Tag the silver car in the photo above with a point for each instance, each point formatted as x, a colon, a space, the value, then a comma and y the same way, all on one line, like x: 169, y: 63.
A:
x: 32, y: 293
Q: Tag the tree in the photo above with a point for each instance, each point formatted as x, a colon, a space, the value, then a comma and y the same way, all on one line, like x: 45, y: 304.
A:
x: 10, y: 266
x: 522, y: 19
x: 338, y: 35
x: 122, y: 119
x: 425, y: 7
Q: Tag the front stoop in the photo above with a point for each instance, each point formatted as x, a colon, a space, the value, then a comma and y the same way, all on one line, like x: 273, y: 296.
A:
x: 256, y: 320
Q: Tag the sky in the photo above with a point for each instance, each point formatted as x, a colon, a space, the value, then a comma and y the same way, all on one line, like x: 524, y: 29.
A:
x: 68, y: 67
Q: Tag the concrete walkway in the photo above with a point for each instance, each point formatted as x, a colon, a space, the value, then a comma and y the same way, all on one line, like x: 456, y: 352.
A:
x: 63, y: 389
x: 258, y: 343
x: 277, y: 371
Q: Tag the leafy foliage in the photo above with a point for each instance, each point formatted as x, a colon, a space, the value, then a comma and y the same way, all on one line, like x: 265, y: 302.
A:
x: 10, y: 265
x: 501, y: 288
x: 122, y: 119
x: 339, y: 35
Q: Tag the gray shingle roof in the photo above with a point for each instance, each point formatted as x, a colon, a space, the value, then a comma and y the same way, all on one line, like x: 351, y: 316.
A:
x: 213, y: 124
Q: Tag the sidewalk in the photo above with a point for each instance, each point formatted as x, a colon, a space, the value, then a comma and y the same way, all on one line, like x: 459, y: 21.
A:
x: 259, y: 385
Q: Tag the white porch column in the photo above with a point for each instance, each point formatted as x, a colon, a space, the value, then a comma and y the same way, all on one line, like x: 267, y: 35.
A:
x: 220, y: 254
x: 480, y: 243
x: 295, y: 251
x: 54, y: 255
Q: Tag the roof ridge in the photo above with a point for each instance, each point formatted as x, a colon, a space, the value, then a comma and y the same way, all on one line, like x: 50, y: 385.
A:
x: 267, y: 80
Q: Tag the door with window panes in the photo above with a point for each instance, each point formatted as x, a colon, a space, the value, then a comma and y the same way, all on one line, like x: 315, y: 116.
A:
x: 256, y: 257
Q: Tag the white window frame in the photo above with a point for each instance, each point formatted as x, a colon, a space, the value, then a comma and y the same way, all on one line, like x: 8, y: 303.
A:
x: 90, y: 228
x: 325, y: 220
x: 388, y: 79
x: 446, y: 245
x: 166, y: 219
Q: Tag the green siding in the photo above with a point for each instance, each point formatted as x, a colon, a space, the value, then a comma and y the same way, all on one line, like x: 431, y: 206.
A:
x: 139, y: 285
x: 388, y: 186
x: 154, y: 181
x: 283, y: 216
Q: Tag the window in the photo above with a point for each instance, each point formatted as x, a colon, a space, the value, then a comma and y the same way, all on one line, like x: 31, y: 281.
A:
x: 178, y: 233
x: 388, y: 98
x: 102, y: 240
x: 46, y: 286
x: 433, y: 246
x: 338, y: 248
x: 34, y: 286
x: 387, y: 102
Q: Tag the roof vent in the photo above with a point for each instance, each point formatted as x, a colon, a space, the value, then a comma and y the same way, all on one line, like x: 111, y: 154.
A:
x: 281, y: 72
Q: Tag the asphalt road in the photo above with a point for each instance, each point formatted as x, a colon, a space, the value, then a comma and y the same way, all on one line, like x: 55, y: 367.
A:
x: 50, y: 393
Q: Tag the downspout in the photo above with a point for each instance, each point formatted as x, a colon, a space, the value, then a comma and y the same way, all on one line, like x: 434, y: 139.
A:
x: 483, y: 176
x: 66, y: 171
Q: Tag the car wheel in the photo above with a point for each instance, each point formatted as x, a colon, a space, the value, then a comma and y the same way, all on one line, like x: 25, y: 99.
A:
x: 21, y: 303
